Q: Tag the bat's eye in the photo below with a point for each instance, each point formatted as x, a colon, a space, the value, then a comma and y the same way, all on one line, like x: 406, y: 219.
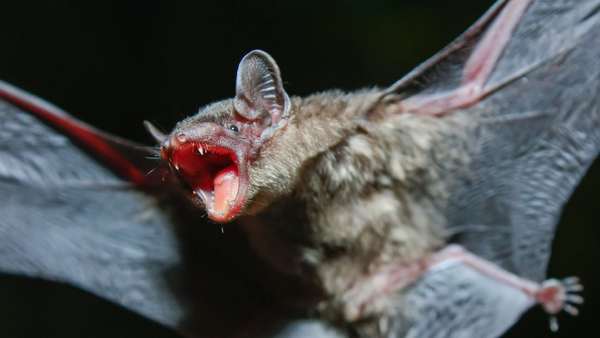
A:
x: 233, y: 128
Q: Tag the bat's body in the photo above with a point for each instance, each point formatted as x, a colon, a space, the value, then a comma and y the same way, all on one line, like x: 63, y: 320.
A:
x: 347, y: 191
x: 357, y: 195
x: 361, y: 207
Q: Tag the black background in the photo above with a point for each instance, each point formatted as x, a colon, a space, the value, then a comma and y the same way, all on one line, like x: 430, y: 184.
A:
x: 116, y: 63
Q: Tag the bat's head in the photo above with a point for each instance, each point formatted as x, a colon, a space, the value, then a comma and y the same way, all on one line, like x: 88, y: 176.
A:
x: 212, y: 152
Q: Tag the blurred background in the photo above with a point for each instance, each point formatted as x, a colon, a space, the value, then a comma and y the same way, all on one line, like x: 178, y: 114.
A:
x: 116, y: 63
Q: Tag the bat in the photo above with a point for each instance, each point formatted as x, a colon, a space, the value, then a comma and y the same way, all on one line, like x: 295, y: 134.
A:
x: 452, y: 154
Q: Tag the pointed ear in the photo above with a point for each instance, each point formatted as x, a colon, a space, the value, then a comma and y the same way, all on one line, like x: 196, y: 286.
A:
x: 259, y: 89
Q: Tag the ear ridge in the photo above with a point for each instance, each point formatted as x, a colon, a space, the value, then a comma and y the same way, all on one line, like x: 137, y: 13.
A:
x: 259, y: 88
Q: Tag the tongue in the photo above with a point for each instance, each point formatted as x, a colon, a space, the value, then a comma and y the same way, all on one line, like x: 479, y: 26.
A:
x: 226, y: 186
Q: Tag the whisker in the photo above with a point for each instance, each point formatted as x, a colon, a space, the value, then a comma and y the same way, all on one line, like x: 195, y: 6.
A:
x: 151, y: 171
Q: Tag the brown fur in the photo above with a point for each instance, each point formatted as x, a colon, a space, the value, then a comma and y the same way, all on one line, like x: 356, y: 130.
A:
x: 335, y: 198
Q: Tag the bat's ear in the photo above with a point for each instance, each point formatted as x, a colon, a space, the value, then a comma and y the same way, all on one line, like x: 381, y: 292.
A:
x: 259, y: 92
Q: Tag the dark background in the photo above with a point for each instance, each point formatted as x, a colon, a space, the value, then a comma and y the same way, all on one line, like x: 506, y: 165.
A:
x: 115, y: 63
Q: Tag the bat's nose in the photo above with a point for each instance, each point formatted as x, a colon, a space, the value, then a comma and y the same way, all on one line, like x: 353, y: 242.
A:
x: 201, y: 132
x: 205, y: 132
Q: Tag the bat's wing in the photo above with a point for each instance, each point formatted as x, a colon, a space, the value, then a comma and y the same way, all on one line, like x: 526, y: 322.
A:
x: 66, y: 217
x: 537, y: 132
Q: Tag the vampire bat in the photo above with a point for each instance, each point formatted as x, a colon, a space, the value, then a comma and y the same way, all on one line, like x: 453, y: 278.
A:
x: 351, y: 200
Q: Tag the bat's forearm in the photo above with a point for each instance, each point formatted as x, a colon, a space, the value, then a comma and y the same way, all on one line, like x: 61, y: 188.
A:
x: 477, y: 70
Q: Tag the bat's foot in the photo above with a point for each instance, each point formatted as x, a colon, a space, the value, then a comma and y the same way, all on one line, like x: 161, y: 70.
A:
x: 560, y: 295
x: 553, y: 295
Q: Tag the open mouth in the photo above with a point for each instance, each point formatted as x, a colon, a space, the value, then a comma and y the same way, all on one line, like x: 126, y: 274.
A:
x: 213, y: 174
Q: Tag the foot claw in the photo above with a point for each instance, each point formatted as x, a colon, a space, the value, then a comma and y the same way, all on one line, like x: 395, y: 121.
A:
x: 553, y: 324
x: 570, y: 309
x: 574, y: 299
x: 574, y: 288
x: 571, y: 280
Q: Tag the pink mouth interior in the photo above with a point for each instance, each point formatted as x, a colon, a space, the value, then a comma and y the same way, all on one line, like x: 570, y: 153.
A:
x: 212, y: 173
x: 226, y: 184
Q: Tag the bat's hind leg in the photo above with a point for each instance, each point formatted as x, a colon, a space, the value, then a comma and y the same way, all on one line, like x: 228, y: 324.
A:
x: 478, y: 67
x: 553, y: 295
x: 369, y: 295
